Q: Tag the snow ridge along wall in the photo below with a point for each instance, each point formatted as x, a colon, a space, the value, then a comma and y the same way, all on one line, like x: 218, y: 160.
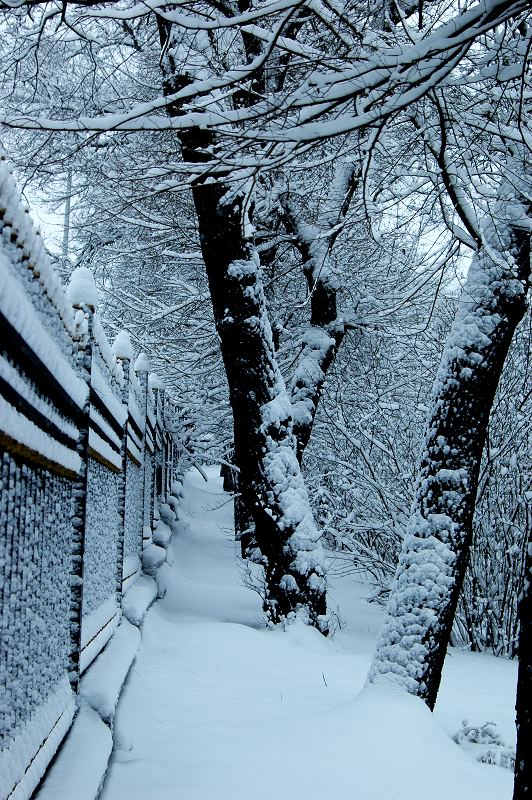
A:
x: 85, y: 452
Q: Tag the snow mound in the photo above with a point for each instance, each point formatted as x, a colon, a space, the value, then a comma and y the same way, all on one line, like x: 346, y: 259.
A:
x: 152, y: 558
x: 78, y: 770
x: 162, y: 534
x: 138, y: 599
x: 101, y: 686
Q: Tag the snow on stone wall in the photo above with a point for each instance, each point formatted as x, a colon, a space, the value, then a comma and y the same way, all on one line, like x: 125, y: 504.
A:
x: 66, y: 536
x: 103, y: 523
x: 34, y: 643
x: 41, y: 401
x: 23, y: 246
x: 102, y: 557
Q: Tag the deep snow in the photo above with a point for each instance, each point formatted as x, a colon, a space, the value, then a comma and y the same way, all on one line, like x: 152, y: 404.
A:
x: 217, y: 707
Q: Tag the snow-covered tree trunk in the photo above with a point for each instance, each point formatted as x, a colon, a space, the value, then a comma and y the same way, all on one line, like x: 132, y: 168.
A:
x: 413, y: 641
x: 319, y: 344
x: 523, y: 704
x: 327, y: 327
x: 270, y: 479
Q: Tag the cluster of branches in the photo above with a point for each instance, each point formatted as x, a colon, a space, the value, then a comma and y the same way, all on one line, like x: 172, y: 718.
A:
x: 309, y: 134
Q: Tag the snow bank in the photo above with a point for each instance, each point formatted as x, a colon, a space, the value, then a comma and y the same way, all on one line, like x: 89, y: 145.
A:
x: 82, y: 762
x: 36, y: 743
x: 101, y: 686
x: 78, y: 771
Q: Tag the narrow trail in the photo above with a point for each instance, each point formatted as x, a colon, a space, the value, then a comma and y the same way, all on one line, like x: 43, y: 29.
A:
x: 218, y: 708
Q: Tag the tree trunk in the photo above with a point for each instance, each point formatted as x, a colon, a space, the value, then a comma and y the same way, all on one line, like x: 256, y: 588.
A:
x: 523, y: 703
x: 270, y: 481
x: 413, y: 641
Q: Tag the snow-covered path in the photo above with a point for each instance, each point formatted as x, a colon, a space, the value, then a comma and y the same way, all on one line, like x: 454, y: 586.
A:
x: 218, y: 708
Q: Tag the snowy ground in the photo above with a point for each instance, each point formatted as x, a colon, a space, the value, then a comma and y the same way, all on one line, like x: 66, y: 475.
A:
x: 217, y: 707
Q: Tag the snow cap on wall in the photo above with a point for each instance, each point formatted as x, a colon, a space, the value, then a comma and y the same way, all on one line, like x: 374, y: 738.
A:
x: 81, y: 289
x: 155, y: 382
x: 122, y: 347
x: 142, y: 364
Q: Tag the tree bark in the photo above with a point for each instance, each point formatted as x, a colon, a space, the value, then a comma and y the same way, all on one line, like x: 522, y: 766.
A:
x: 413, y: 642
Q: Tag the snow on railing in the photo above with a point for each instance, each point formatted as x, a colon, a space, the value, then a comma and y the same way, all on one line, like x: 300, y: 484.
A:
x: 24, y: 243
x: 85, y: 455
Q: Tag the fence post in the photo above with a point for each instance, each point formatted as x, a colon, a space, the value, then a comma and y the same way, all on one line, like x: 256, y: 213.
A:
x: 83, y: 296
x: 162, y: 433
x: 164, y: 450
x: 153, y: 384
x: 123, y: 352
x: 157, y: 467
x: 142, y: 368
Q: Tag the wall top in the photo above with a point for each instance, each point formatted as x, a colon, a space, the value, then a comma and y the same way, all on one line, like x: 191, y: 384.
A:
x: 81, y: 289
x: 122, y: 347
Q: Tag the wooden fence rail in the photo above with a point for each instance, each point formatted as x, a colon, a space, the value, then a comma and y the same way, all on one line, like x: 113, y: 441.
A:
x: 86, y: 451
